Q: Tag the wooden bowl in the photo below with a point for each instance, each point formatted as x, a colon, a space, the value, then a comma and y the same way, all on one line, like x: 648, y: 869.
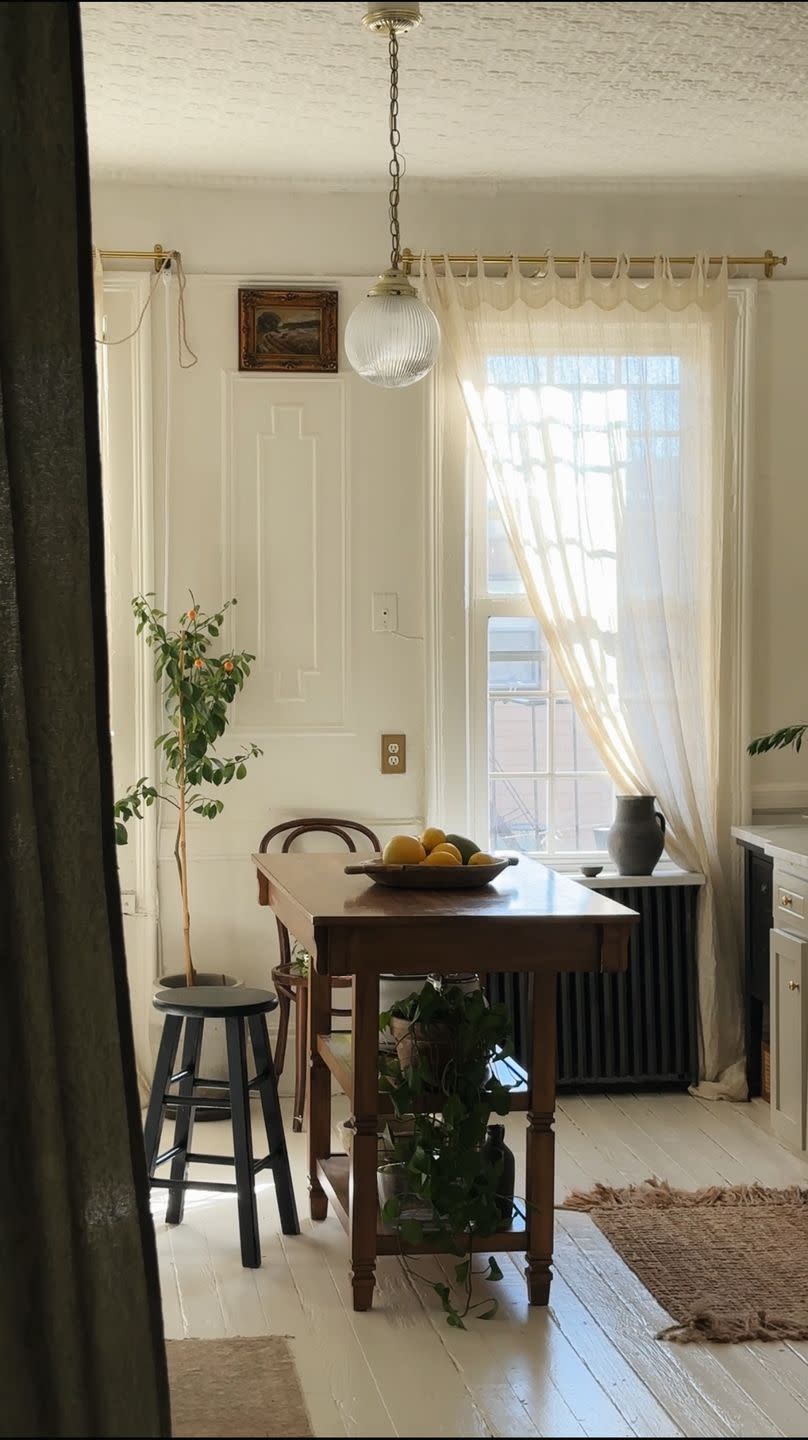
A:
x: 432, y: 877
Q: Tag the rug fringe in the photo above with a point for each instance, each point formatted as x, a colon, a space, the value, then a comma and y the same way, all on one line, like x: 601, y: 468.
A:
x: 704, y: 1327
x: 662, y: 1195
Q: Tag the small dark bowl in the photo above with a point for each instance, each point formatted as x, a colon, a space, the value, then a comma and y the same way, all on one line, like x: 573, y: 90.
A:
x: 591, y: 870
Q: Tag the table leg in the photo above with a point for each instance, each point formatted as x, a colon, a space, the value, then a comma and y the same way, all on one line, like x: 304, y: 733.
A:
x: 364, y: 1157
x: 319, y: 988
x: 540, y: 1168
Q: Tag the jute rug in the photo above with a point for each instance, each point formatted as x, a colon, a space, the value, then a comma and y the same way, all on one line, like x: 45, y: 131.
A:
x: 727, y: 1264
x: 238, y: 1387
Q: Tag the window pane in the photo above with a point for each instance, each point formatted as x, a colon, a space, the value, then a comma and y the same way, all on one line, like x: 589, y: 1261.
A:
x: 583, y: 810
x: 503, y: 576
x: 517, y: 732
x: 519, y: 814
x: 573, y: 749
x: 517, y: 657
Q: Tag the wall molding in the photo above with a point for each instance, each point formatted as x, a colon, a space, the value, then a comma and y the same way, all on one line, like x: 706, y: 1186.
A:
x: 273, y: 389
x: 144, y: 837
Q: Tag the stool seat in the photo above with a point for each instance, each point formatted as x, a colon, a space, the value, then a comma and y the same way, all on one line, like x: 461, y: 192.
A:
x: 209, y: 1002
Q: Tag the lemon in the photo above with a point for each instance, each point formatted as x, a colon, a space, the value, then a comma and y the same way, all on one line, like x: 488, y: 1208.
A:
x: 482, y: 859
x: 403, y: 850
x: 431, y: 837
x: 440, y: 857
x: 450, y: 850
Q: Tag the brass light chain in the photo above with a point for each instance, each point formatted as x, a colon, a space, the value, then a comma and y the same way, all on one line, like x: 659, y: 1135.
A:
x: 395, y: 141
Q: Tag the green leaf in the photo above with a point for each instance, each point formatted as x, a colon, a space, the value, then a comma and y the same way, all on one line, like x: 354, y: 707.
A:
x: 411, y: 1231
x: 391, y: 1209
x: 490, y: 1312
x: 494, y: 1272
x: 121, y: 837
x: 241, y: 771
x: 462, y: 1272
x: 455, y: 1320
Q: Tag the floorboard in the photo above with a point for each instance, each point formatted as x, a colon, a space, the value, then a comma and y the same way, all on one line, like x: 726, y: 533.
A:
x: 589, y: 1365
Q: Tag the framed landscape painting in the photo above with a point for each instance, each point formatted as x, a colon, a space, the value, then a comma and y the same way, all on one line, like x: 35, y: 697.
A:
x: 287, y: 330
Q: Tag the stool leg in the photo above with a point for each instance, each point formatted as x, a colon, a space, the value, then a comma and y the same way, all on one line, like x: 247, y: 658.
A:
x: 301, y: 1054
x: 184, y: 1123
x: 166, y: 1055
x: 284, y: 1007
x: 284, y: 1190
x: 242, y: 1143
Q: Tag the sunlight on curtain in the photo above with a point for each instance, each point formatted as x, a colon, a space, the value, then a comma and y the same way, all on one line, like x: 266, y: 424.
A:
x: 600, y: 407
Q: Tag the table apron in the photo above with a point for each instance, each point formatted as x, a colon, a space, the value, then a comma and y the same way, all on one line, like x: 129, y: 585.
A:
x: 470, y: 945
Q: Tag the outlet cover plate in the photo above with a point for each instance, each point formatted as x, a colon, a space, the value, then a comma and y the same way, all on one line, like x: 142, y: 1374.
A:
x: 394, y: 754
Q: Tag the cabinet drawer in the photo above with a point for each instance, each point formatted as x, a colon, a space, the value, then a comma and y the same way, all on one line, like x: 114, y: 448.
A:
x: 789, y: 971
x: 790, y: 902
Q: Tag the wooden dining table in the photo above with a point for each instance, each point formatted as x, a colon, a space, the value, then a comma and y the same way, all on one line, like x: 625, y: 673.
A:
x: 529, y: 919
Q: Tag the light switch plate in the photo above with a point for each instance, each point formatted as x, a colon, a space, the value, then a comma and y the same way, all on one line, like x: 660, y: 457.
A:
x: 385, y: 612
x: 394, y: 754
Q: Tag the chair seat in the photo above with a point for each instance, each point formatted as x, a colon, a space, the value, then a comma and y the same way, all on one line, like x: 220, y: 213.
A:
x: 214, y: 1001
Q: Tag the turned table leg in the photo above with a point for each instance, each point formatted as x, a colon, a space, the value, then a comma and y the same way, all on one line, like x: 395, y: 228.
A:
x: 319, y: 988
x: 364, y: 1158
x: 540, y: 1167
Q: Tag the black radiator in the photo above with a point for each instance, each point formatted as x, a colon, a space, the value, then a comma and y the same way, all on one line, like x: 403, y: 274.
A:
x: 634, y: 1029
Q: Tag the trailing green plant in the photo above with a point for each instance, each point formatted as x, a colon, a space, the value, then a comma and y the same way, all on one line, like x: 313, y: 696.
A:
x: 301, y: 960
x: 197, y: 689
x: 450, y: 1090
x: 778, y: 740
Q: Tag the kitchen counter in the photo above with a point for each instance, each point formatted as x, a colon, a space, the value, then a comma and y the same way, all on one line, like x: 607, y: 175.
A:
x: 787, y: 844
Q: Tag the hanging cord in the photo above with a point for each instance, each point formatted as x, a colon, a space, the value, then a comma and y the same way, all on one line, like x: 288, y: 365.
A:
x: 182, y: 335
x: 395, y: 141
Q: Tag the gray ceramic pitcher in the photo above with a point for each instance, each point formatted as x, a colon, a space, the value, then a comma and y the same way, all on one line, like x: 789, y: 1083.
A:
x: 637, y: 837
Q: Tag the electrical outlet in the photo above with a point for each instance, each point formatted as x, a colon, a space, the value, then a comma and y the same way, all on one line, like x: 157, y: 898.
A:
x: 394, y: 754
x: 385, y: 612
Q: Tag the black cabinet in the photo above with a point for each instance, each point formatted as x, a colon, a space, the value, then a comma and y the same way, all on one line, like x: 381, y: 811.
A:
x: 758, y: 888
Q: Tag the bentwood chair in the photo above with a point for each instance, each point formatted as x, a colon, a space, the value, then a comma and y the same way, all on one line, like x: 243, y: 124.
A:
x: 290, y: 983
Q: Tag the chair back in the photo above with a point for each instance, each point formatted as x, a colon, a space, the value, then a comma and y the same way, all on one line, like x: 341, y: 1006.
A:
x: 291, y: 830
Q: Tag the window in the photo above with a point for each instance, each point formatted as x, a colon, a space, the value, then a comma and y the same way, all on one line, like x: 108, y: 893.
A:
x: 541, y: 787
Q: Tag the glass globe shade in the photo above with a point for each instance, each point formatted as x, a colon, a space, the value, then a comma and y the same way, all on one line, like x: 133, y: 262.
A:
x: 392, y: 339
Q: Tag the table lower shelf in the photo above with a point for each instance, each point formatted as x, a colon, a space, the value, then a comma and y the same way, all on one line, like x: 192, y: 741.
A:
x: 336, y: 1049
x: 334, y: 1175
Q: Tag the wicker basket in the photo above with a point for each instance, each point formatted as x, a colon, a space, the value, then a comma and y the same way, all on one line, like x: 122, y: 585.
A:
x: 765, y: 1069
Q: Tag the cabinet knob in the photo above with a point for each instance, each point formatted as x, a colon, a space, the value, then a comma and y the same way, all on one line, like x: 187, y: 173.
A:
x: 786, y: 902
x: 793, y: 984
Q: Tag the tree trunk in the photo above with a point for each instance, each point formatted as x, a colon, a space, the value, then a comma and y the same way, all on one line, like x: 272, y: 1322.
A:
x: 180, y: 849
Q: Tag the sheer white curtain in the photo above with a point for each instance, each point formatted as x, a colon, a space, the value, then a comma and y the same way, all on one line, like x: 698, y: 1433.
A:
x: 600, y: 409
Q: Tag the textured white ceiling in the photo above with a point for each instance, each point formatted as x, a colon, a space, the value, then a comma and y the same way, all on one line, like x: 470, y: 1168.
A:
x: 250, y: 91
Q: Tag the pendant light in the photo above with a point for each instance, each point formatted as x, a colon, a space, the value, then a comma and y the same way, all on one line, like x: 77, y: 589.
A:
x: 392, y: 338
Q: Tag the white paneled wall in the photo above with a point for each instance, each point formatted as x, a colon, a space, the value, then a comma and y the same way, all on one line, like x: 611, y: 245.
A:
x: 302, y: 496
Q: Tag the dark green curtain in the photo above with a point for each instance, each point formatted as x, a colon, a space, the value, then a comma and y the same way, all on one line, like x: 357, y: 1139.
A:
x: 81, y: 1350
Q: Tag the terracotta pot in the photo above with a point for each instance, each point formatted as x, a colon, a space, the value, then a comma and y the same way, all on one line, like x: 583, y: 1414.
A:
x: 432, y: 1044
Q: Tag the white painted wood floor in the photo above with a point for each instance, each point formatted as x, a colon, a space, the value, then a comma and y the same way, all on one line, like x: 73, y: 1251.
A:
x: 589, y: 1365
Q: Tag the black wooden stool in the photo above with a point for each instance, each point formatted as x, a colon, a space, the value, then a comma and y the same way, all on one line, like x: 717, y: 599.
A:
x: 234, y: 1005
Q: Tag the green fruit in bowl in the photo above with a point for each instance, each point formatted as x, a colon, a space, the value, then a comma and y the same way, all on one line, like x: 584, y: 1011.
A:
x: 466, y: 847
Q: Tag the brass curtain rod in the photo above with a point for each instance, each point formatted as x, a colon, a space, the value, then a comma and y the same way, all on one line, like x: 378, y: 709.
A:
x: 161, y: 258
x: 768, y: 260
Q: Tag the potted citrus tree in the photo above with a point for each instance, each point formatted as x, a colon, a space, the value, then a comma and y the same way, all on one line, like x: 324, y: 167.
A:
x: 198, y: 687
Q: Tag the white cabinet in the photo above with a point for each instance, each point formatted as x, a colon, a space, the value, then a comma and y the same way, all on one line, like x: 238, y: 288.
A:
x: 789, y: 1038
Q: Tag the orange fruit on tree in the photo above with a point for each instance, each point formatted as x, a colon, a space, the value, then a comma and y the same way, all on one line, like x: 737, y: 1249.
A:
x: 441, y: 857
x: 445, y: 847
x: 403, y: 850
x: 432, y: 836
